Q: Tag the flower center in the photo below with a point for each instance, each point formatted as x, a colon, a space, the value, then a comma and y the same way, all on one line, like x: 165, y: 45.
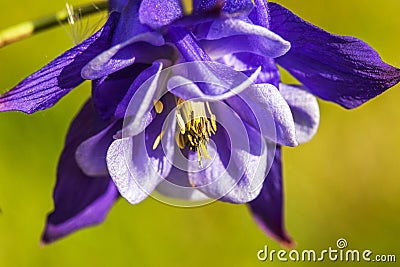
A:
x: 196, y: 125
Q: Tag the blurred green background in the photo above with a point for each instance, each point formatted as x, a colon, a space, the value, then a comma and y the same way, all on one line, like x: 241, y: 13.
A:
x: 343, y: 184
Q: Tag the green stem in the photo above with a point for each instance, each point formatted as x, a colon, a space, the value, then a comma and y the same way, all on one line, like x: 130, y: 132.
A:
x: 23, y: 30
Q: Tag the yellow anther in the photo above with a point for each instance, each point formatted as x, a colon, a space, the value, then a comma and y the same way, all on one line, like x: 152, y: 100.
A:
x: 158, y: 106
x: 196, y: 125
x: 158, y: 140
x: 179, y: 101
x: 181, y: 123
x: 213, y: 122
x: 180, y: 140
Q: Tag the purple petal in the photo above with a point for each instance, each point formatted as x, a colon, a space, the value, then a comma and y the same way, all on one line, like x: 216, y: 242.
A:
x: 129, y: 24
x: 239, y: 161
x: 263, y: 106
x: 228, y: 36
x: 91, y: 153
x: 267, y: 208
x: 132, y: 172
x: 156, y: 14
x: 152, y: 71
x: 187, y: 45
x: 231, y: 7
x: 340, y: 69
x: 79, y: 200
x: 135, y: 166
x: 203, y: 69
x: 260, y: 14
x: 142, y: 48
x: 137, y: 105
x: 232, y: 82
x: 48, y: 85
x: 109, y: 91
x: 248, y: 63
x: 305, y: 110
x: 240, y: 43
x: 176, y: 185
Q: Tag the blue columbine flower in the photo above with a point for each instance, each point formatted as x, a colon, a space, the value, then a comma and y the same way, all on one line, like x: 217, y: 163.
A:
x: 141, y: 39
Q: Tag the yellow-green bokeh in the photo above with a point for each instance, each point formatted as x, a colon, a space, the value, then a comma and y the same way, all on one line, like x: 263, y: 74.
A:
x: 344, y: 183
